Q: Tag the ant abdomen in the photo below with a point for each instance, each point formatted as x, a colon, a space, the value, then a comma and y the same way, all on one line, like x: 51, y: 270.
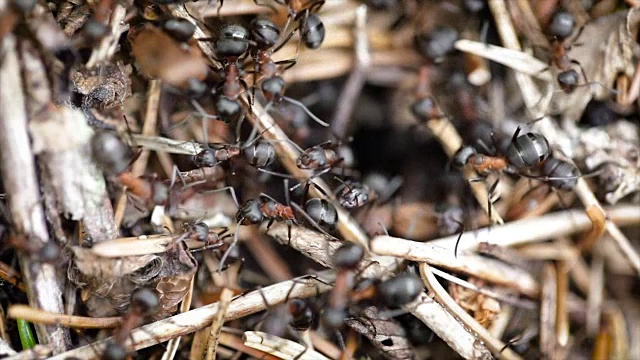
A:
x: 312, y: 31
x: 568, y: 80
x: 250, y: 213
x: 144, y: 300
x: 179, y: 29
x: 562, y: 175
x: 400, y: 289
x: 462, y: 156
x: 528, y: 150
x: 437, y: 43
x: 264, y: 33
x: 260, y: 154
x: 322, y: 212
x: 302, y: 314
x: 114, y: 351
x: 111, y: 153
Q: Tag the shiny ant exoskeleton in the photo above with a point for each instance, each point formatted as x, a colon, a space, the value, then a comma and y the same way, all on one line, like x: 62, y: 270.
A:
x: 265, y: 34
x: 437, y: 43
x: 255, y: 211
x: 311, y: 28
x: 354, y: 194
x: 180, y: 29
x: 144, y: 301
x: 114, y: 157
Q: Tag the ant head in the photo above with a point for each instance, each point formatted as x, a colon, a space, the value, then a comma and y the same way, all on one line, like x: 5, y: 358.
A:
x: 322, y: 212
x: 302, y: 314
x: 425, y: 109
x: 348, y: 256
x: 528, y: 150
x: 463, y: 155
x: 438, y: 43
x: 201, y: 230
x: 205, y: 158
x: 260, y: 154
x: 568, y: 80
x: 563, y: 175
x: 561, y: 24
x: 144, y: 300
x: 227, y: 109
x: 264, y: 33
x: 113, y: 351
x: 111, y: 153
x: 312, y: 31
x: 180, y: 29
x: 273, y: 88
x: 400, y: 290
x: 233, y: 42
x: 250, y: 213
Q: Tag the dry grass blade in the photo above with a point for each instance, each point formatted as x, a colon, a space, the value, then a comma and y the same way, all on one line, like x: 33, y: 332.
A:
x: 496, y: 346
x: 173, y: 344
x: 162, y: 144
x: 48, y: 318
x: 216, y: 326
x: 548, y: 303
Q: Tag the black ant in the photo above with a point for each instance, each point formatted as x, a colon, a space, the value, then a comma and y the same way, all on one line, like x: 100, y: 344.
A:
x: 114, y: 156
x: 47, y: 253
x: 265, y: 34
x: 354, y: 194
x: 180, y: 29
x: 144, y: 301
x: 311, y: 28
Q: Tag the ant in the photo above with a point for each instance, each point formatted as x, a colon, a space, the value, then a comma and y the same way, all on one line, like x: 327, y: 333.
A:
x: 311, y: 28
x: 144, y: 301
x: 354, y: 194
x: 394, y: 292
x: 180, y: 29
x: 255, y: 211
x: 345, y: 260
x: 437, y: 43
x: 47, y: 253
x: 265, y: 34
x: 114, y: 156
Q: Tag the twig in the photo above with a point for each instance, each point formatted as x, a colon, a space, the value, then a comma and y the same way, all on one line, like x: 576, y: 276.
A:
x: 48, y: 318
x: 150, y: 125
x: 20, y: 182
x: 236, y: 343
x: 162, y: 144
x: 548, y: 305
x: 316, y: 247
x: 353, y: 87
x: 495, y: 345
x: 216, y: 326
x: 190, y: 321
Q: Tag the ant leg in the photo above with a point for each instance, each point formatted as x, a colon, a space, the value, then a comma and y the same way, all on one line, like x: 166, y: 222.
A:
x: 289, y: 226
x: 226, y: 254
x: 455, y: 249
x: 231, y: 190
x: 313, y: 223
x: 287, y: 63
x: 489, y: 196
x: 176, y: 173
x: 307, y: 111
x: 584, y: 73
x: 515, y: 134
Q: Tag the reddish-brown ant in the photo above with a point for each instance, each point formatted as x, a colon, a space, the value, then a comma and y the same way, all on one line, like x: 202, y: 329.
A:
x: 255, y: 211
x: 143, y: 302
x: 346, y: 260
x: 265, y: 34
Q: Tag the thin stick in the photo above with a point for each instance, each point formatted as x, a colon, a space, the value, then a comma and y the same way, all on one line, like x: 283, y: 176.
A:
x: 495, y: 345
x: 236, y: 343
x: 39, y: 316
x: 18, y: 170
x: 162, y: 144
x: 277, y: 346
x: 174, y: 344
x: 149, y: 128
x: 353, y: 87
x: 191, y: 321
x: 216, y: 326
